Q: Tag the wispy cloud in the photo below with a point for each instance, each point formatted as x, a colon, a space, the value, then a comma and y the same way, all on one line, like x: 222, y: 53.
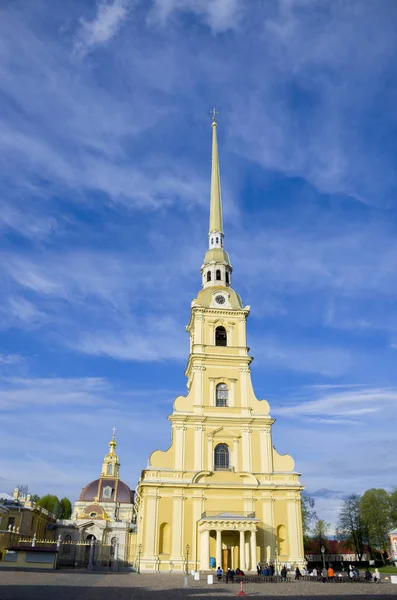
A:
x: 351, y: 402
x: 108, y: 19
x: 220, y: 15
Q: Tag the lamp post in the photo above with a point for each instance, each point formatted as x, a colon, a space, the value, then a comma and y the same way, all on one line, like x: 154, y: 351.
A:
x: 323, y: 553
x: 139, y: 558
x: 187, y: 559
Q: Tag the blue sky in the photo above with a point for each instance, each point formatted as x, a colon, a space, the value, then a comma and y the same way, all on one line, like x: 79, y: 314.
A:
x: 104, y: 188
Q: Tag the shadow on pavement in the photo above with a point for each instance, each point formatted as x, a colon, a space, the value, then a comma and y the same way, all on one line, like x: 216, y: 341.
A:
x: 71, y: 592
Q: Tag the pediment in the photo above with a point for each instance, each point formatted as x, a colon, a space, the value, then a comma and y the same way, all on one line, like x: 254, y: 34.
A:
x: 224, y: 433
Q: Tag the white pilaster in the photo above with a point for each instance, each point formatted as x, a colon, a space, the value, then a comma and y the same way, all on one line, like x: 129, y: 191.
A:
x: 205, y: 550
x: 266, y: 450
x: 253, y: 550
x: 218, y: 548
x: 242, y: 549
x: 198, y: 448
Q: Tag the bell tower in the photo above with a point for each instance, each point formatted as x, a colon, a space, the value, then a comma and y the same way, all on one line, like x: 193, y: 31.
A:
x: 220, y: 490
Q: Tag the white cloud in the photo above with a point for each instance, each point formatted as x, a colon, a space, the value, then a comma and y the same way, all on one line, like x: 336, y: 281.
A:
x: 351, y: 402
x: 109, y: 17
x: 11, y: 359
x: 220, y: 15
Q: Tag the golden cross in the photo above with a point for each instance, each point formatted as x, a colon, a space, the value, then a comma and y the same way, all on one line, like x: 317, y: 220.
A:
x: 114, y: 432
x: 214, y: 113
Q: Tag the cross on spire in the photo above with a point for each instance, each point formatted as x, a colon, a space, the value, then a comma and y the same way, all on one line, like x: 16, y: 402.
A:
x: 114, y: 432
x: 214, y: 112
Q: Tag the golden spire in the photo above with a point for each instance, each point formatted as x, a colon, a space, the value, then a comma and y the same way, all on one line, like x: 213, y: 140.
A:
x: 111, y: 464
x: 112, y: 443
x: 216, y: 201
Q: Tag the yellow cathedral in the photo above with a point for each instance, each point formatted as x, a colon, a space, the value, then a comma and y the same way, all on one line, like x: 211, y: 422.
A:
x: 220, y: 495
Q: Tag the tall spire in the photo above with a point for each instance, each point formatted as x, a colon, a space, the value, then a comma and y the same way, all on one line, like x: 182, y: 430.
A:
x: 111, y: 465
x: 216, y: 270
x: 216, y: 224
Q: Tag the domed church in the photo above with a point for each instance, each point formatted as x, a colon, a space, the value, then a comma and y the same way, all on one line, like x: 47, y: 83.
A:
x: 104, y: 510
x: 106, y: 498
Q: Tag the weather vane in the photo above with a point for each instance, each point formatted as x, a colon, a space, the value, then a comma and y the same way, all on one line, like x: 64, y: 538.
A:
x: 214, y: 112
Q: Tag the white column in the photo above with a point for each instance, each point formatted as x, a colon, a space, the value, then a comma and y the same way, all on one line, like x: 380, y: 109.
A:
x: 210, y: 458
x: 205, y: 550
x: 266, y: 450
x: 232, y: 393
x: 179, y: 433
x: 218, y: 548
x: 242, y: 550
x: 177, y: 532
x: 235, y: 455
x: 198, y: 448
x: 253, y: 550
x: 211, y: 401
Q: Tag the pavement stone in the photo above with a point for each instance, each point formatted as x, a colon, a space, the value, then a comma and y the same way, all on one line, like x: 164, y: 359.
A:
x: 75, y: 585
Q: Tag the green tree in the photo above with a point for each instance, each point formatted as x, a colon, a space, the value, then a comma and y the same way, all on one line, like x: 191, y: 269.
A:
x: 393, y: 508
x: 375, y: 509
x: 350, y: 527
x: 35, y: 498
x: 320, y: 534
x: 309, y: 516
x: 66, y: 508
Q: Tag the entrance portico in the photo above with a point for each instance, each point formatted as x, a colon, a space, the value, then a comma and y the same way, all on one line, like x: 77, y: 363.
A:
x: 235, y: 540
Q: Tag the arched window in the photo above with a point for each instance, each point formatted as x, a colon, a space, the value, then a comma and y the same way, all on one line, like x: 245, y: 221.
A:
x: 282, y: 542
x: 218, y: 274
x: 221, y: 394
x: 221, y: 457
x: 208, y: 275
x: 212, y: 240
x: 110, y: 469
x: 217, y: 240
x: 227, y: 277
x: 164, y: 538
x: 220, y: 336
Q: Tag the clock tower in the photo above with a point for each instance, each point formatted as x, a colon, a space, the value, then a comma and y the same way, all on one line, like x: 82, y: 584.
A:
x: 220, y: 495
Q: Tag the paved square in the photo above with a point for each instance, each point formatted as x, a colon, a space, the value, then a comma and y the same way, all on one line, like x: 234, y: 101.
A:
x: 62, y: 585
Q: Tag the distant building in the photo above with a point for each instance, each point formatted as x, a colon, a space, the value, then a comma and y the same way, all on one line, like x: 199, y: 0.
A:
x: 20, y: 518
x: 104, y: 510
x: 335, y: 552
x: 393, y: 545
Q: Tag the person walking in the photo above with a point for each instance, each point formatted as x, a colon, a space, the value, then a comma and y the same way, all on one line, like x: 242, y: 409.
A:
x: 297, y: 574
x: 259, y: 568
x: 324, y: 574
x: 331, y: 573
x: 376, y: 576
x: 219, y: 573
x: 284, y: 573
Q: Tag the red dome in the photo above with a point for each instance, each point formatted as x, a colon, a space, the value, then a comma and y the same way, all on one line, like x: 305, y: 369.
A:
x: 107, y: 490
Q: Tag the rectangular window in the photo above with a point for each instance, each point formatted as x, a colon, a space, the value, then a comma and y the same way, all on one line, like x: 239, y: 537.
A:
x: 11, y: 522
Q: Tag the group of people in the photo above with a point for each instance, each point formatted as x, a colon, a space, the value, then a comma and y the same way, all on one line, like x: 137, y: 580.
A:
x: 324, y: 574
x: 229, y: 575
x: 268, y: 570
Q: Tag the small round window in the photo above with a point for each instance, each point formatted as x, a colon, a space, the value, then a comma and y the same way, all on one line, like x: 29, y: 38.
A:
x: 93, y: 514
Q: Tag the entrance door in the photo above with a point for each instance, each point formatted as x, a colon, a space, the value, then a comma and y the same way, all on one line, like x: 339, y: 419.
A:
x: 226, y: 559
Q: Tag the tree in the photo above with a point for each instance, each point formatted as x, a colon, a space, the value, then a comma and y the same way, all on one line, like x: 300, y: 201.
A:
x: 309, y: 515
x: 393, y: 507
x: 350, y: 527
x: 375, y: 509
x: 320, y: 531
x: 62, y: 509
x: 66, y: 508
x: 35, y: 498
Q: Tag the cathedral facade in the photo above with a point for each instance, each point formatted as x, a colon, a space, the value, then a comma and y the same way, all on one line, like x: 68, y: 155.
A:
x: 220, y: 495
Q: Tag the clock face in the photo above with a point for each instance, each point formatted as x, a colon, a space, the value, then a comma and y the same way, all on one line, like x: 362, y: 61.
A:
x: 220, y: 299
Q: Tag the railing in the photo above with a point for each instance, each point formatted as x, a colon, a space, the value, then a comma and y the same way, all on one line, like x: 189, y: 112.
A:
x: 227, y: 514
